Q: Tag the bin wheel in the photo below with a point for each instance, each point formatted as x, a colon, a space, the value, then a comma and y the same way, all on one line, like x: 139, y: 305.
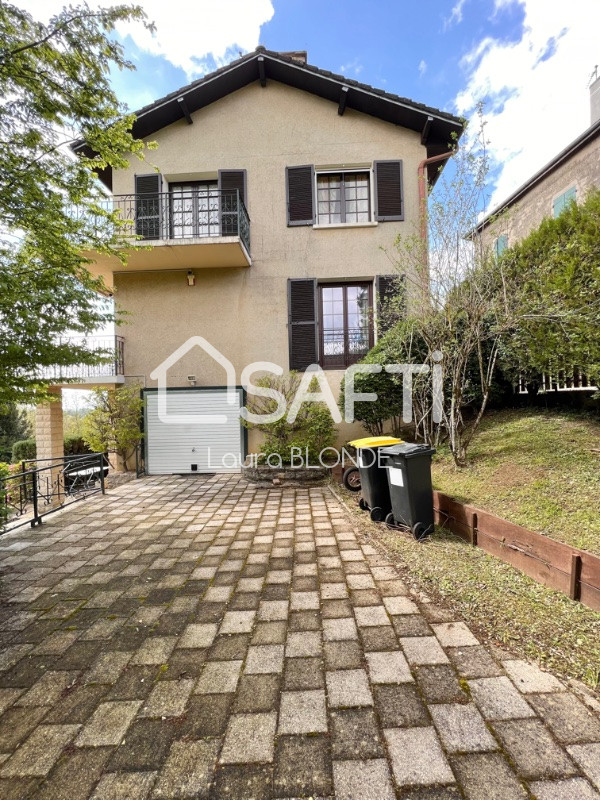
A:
x: 419, y: 531
x: 362, y: 505
x: 351, y: 479
x: 377, y: 514
x: 390, y: 521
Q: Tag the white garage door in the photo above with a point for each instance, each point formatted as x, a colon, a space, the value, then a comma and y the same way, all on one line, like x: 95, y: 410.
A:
x: 181, y: 446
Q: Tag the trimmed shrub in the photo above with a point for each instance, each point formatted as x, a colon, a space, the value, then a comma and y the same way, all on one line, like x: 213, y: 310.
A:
x: 24, y: 450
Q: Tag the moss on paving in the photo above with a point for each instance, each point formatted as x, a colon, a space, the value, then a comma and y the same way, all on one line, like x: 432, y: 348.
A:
x: 538, y: 469
x: 500, y: 603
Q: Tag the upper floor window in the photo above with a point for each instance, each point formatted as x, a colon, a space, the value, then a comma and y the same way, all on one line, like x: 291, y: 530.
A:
x: 501, y: 244
x: 564, y: 200
x: 194, y: 209
x: 343, y: 197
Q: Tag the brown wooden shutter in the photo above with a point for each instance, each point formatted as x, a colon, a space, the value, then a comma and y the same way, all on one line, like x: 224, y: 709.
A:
x: 302, y: 323
x: 391, y: 302
x: 148, y: 205
x: 389, y: 201
x: 300, y: 187
x: 231, y: 180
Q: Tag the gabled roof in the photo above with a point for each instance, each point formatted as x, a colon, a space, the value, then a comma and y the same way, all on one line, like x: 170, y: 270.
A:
x: 438, y: 129
x: 586, y: 137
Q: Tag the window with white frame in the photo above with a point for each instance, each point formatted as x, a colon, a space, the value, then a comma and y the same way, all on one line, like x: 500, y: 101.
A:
x: 563, y: 201
x: 343, y: 197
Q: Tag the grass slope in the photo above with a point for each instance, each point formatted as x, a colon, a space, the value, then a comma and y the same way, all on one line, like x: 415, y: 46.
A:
x: 538, y: 469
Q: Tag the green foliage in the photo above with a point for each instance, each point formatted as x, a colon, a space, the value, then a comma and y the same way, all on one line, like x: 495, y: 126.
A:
x: 23, y: 450
x: 75, y: 445
x: 14, y: 425
x: 4, y: 510
x: 54, y: 89
x: 312, y: 431
x: 113, y: 424
x: 553, y: 278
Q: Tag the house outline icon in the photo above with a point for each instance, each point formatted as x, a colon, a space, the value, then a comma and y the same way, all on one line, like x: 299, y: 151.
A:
x: 159, y: 374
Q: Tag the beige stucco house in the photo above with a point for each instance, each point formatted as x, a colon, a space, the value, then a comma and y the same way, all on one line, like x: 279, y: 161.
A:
x: 267, y: 208
x: 568, y: 176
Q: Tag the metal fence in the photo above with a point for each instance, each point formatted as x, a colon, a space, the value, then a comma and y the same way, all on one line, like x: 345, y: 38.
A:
x: 562, y: 380
x: 46, y: 485
x: 112, y: 347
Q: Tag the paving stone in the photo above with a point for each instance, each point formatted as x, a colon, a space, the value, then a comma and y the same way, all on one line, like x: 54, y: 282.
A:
x: 124, y: 786
x: 367, y: 780
x: 334, y: 591
x: 74, y: 776
x: 568, y: 719
x: 379, y: 638
x: 439, y: 684
x: 587, y: 756
x: 303, y: 673
x: 487, y: 775
x: 336, y: 630
x: 188, y: 770
x: 371, y: 615
x: 417, y: 757
x: 252, y: 781
x: 108, y: 667
x: 77, y: 705
x: 529, y: 678
x: 257, y: 693
x: 432, y: 793
x: 219, y: 677
x: 474, y: 662
x: 134, y: 683
x: 304, y: 601
x: 273, y: 610
x: 388, y: 667
x: 454, y: 634
x: 48, y: 689
x: 249, y: 738
x: 269, y: 633
x: 342, y: 655
x: 400, y: 706
x: 303, y: 644
x: 264, y: 659
x: 347, y: 688
x: 18, y: 788
x: 411, y: 625
x: 16, y: 724
x: 575, y: 788
x: 304, y: 621
x: 229, y: 648
x: 532, y: 750
x: 108, y: 723
x: 497, y: 698
x: 39, y: 753
x: 355, y: 735
x: 461, y: 728
x: 302, y: 712
x: 237, y: 622
x: 144, y: 747
x: 400, y: 605
x: 155, y: 650
x: 303, y: 767
x: 167, y: 699
x: 364, y: 581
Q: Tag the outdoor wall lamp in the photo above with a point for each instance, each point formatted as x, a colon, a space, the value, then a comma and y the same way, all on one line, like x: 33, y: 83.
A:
x: 191, y: 278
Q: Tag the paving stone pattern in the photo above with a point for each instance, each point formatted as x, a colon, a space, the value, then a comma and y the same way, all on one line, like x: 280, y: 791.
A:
x: 205, y: 638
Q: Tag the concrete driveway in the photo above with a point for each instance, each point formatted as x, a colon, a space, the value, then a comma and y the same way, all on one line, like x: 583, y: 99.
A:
x: 189, y: 638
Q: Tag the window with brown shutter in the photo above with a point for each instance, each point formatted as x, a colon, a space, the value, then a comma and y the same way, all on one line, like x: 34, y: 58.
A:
x: 231, y: 181
x: 300, y: 183
x: 389, y: 201
x: 302, y: 323
x: 391, y: 301
x: 147, y: 206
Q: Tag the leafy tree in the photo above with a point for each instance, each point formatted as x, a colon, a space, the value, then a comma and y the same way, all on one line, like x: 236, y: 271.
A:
x: 113, y: 424
x: 553, y: 279
x: 55, y: 89
x: 13, y: 427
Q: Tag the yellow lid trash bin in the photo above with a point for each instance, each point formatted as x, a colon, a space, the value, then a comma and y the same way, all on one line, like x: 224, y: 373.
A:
x: 375, y: 441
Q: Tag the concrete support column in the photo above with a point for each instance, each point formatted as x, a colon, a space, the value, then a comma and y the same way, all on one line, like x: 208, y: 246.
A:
x: 49, y: 439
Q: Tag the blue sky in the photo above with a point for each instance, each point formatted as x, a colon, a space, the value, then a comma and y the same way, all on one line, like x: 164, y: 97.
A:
x: 528, y: 60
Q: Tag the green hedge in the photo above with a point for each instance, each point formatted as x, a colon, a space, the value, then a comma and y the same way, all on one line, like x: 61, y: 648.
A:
x: 26, y: 448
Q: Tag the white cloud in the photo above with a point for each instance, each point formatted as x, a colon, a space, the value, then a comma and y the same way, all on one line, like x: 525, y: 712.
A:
x: 352, y: 66
x: 535, y: 90
x: 190, y: 33
x: 422, y: 67
x: 457, y: 14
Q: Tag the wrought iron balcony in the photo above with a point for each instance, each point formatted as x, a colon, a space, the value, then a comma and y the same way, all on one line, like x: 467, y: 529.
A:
x: 112, y: 347
x: 194, y: 228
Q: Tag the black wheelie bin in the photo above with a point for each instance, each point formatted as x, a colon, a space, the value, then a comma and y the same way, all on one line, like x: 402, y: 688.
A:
x: 375, y: 493
x: 408, y: 469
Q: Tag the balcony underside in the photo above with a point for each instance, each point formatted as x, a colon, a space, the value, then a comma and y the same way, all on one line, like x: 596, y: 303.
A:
x: 97, y: 382
x: 209, y: 252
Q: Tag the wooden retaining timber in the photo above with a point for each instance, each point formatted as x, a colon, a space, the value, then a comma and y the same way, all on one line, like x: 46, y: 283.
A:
x: 559, y: 566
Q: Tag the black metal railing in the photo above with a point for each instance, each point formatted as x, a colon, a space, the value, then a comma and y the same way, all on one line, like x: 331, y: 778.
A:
x: 190, y: 214
x: 46, y: 485
x: 140, y: 462
x: 112, y: 347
